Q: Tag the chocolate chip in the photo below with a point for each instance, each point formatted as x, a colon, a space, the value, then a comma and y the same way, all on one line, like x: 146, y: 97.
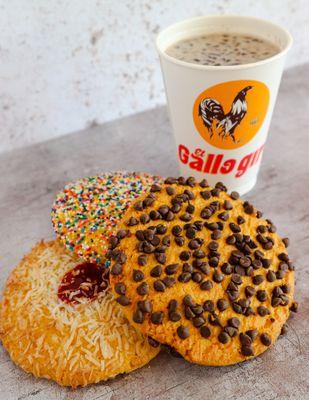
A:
x: 171, y: 269
x: 159, y: 286
x: 265, y: 339
x: 218, y: 277
x: 184, y: 255
x: 189, y: 194
x: 240, y: 220
x: 286, y: 288
x: 234, y: 195
x: 270, y: 276
x: 160, y: 257
x: 209, y: 306
x: 146, y: 247
x: 183, y: 332
x: 197, y: 277
x: 170, y: 190
x: 215, y: 192
x: 145, y: 306
x: 261, y: 295
x: 206, y: 285
x: 213, y: 246
x: 189, y: 314
x: 138, y: 317
x: 154, y: 215
x: 263, y: 311
x: 222, y: 304
x: 123, y: 300
x: 113, y: 242
x: 185, y: 217
x: 161, y: 229
x: 252, y: 333
x: 176, y: 208
x: 155, y: 188
x: 205, y: 331
x: 245, y: 262
x: 245, y: 339
x: 237, y: 307
x: 223, y: 337
x: 169, y: 216
x: 166, y: 240
x: 120, y: 288
x: 194, y: 244
x: 120, y: 257
x: 169, y: 281
x: 236, y: 278
x: 234, y: 322
x: 185, y: 277
x: 142, y: 289
x: 142, y: 260
x: 186, y: 267
x: 261, y: 229
x: 199, y: 254
x: 188, y: 301
x: 224, y: 216
x: 138, y: 275
x: 248, y: 208
x: 258, y: 279
x: 284, y: 329
x: 206, y: 194
x: 226, y: 268
x: 283, y: 257
x: 138, y: 206
x: 247, y: 351
x: 190, y: 233
x: 286, y: 242
x: 204, y: 183
x: 231, y: 239
x: 148, y: 201
x: 227, y: 205
x: 234, y: 227
x: 132, y: 221
x: 144, y: 218
x: 170, y: 180
x: 157, y: 317
x: 116, y: 269
x: 294, y: 307
x: 174, y: 316
x: 180, y: 241
x: 198, y: 321
x: 191, y: 181
x: 216, y: 234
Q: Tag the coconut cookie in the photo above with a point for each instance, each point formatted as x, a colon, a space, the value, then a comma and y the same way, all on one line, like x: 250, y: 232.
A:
x: 200, y: 270
x: 59, y: 321
x: 86, y: 212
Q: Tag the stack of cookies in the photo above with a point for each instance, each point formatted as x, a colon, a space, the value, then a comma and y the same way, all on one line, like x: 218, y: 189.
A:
x: 141, y: 262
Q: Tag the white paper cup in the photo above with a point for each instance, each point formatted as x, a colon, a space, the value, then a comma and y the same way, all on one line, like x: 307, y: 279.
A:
x: 208, y: 150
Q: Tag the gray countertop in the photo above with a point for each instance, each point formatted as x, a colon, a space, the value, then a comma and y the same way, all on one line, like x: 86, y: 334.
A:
x: 30, y: 178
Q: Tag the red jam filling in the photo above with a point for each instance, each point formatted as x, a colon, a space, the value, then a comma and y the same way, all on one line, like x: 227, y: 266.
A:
x: 84, y: 282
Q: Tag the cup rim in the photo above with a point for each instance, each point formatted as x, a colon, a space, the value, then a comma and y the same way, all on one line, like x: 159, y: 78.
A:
x: 282, y: 52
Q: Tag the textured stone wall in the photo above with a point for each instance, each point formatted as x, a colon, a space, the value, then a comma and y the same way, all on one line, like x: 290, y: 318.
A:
x: 66, y: 65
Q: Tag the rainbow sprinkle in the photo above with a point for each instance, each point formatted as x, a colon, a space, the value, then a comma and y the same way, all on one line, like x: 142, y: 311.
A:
x: 86, y: 212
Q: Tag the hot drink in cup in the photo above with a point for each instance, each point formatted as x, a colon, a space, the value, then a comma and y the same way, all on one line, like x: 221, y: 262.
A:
x: 222, y: 76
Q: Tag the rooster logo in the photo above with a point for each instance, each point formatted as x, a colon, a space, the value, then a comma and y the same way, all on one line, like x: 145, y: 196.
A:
x: 216, y: 121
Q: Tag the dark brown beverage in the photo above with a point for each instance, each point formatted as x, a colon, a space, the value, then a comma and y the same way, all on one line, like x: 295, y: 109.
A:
x: 222, y: 49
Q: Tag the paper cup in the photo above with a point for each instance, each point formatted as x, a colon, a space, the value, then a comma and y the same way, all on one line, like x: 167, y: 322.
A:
x: 208, y: 147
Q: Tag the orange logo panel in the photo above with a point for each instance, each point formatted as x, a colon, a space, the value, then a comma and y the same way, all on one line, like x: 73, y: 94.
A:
x: 229, y: 115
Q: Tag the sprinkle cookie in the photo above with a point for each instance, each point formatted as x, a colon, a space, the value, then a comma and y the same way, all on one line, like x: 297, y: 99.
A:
x: 87, y: 211
x: 200, y: 270
x: 59, y: 321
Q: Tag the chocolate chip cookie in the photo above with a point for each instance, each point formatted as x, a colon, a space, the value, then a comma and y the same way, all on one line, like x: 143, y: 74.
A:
x: 200, y: 270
